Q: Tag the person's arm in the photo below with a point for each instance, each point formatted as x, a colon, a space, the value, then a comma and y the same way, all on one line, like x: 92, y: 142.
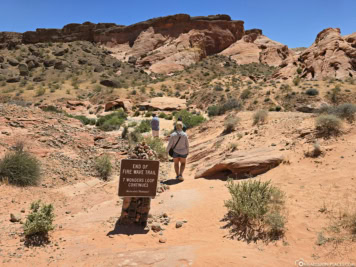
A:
x: 187, y: 144
x: 170, y: 143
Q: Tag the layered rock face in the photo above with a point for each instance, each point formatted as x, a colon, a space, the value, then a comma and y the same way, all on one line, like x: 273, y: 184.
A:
x: 162, y: 44
x: 254, y: 47
x: 331, y: 55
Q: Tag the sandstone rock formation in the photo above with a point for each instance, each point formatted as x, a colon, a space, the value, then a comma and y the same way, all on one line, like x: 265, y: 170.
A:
x: 241, y: 164
x: 254, y: 47
x: 163, y: 44
x: 331, y: 55
x: 126, y: 104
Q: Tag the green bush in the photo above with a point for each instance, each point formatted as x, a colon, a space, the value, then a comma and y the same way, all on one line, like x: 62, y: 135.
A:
x: 112, y: 121
x: 83, y: 119
x: 260, y: 117
x: 231, y: 104
x: 213, y: 111
x: 157, y: 145
x: 346, y: 111
x: 137, y: 113
x: 328, y: 124
x: 162, y: 115
x: 189, y: 120
x: 296, y: 81
x: 40, y: 220
x: 103, y: 166
x: 51, y: 108
x: 20, y: 168
x: 231, y: 123
x: 144, y: 126
x: 312, y: 92
x: 256, y: 210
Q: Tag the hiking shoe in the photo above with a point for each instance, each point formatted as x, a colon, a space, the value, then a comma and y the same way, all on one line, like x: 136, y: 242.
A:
x: 180, y: 178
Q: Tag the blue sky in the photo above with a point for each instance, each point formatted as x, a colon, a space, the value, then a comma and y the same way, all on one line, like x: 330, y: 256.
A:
x: 294, y: 23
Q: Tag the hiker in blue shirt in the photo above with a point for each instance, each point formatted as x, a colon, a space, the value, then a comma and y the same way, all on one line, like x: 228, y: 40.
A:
x: 155, y: 125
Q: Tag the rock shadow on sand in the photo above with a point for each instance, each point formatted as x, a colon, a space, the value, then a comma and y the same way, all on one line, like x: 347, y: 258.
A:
x: 128, y: 229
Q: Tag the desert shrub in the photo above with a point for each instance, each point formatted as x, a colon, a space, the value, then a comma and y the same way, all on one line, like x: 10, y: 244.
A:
x: 148, y: 114
x: 189, y: 120
x: 260, y: 117
x: 328, y: 124
x: 256, y: 210
x: 346, y: 111
x: 312, y: 92
x: 231, y: 104
x: 103, y: 166
x: 83, y: 119
x: 169, y: 117
x: 162, y: 115
x: 316, y: 152
x: 20, y: 168
x: 134, y: 137
x: 144, y: 126
x: 40, y: 220
x: 157, y: 145
x: 40, y: 91
x: 335, y: 94
x: 51, y: 108
x: 124, y: 132
x: 213, y: 111
x: 137, y: 113
x: 231, y: 123
x: 112, y: 121
x: 296, y: 81
x: 245, y: 94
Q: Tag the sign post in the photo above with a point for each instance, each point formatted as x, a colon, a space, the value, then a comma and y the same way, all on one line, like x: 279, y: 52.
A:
x: 137, y: 184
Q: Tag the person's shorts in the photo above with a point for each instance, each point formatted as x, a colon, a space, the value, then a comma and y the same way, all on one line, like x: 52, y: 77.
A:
x: 155, y: 133
x: 176, y: 155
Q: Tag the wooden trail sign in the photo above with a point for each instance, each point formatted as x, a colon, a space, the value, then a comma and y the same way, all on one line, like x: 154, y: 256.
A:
x: 138, y: 178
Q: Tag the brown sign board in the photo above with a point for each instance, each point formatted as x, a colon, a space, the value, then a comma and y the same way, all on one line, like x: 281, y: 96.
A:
x: 138, y: 178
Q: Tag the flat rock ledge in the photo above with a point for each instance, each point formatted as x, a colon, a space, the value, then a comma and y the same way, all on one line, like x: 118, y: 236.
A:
x: 241, y: 164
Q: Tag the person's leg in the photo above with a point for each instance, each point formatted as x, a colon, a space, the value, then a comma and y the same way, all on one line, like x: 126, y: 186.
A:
x: 176, y: 165
x: 182, y: 165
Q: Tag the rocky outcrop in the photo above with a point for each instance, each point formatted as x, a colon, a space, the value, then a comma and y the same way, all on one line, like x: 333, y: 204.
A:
x: 331, y: 55
x: 163, y: 44
x: 126, y: 104
x: 240, y: 164
x: 10, y: 39
x: 254, y: 47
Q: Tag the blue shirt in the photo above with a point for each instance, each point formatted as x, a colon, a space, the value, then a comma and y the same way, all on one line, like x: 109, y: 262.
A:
x: 155, y: 124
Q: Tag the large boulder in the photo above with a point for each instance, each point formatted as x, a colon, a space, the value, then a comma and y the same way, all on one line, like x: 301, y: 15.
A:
x: 60, y: 65
x: 60, y: 52
x: 110, y: 83
x: 12, y: 61
x: 240, y: 164
x: 119, y: 103
x: 13, y: 80
x: 164, y: 103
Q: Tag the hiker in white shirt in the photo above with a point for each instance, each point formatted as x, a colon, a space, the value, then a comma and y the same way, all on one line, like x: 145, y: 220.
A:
x: 178, y: 141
